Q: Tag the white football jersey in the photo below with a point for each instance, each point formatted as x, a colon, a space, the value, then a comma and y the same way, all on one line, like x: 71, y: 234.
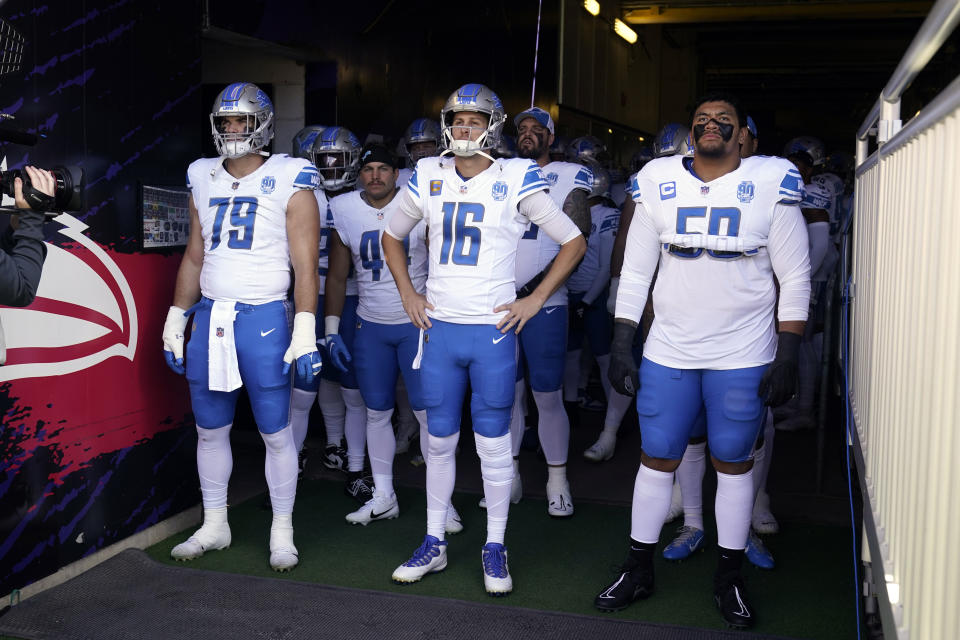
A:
x: 474, y: 228
x: 834, y: 186
x: 536, y: 248
x: 403, y: 176
x: 244, y: 226
x: 604, y: 221
x: 714, y: 295
x: 361, y: 227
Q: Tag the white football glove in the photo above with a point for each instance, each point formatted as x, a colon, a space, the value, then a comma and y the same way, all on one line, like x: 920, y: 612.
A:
x: 303, y: 348
x: 173, y: 330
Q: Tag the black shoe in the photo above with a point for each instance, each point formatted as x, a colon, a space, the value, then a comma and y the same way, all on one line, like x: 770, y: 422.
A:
x: 359, y: 487
x: 633, y: 583
x: 731, y: 599
x: 334, y: 457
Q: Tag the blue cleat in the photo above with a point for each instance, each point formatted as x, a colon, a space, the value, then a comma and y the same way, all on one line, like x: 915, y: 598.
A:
x: 684, y: 545
x: 430, y: 557
x: 758, y: 555
x: 496, y: 574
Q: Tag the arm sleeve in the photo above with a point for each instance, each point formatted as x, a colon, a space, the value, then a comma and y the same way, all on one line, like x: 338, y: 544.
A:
x: 544, y: 212
x: 787, y: 246
x: 600, y: 282
x: 819, y: 233
x: 640, y: 261
x: 20, y: 267
x: 404, y: 218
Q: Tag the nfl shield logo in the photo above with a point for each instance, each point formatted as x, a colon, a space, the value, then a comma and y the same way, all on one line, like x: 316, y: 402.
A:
x: 463, y: 188
x: 745, y: 191
x: 704, y: 191
x: 499, y: 190
x: 268, y: 184
x: 219, y: 332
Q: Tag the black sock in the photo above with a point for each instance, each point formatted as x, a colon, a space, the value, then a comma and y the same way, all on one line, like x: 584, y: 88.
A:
x: 642, y: 553
x: 730, y: 561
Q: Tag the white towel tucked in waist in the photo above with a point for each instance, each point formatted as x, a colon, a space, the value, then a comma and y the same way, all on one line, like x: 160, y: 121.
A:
x: 224, y: 371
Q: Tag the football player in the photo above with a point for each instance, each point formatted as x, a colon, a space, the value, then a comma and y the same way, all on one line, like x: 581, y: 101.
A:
x: 476, y: 209
x: 750, y: 140
x: 421, y: 140
x: 234, y: 282
x: 336, y: 153
x: 587, y: 290
x: 543, y: 345
x: 720, y: 228
x: 386, y: 341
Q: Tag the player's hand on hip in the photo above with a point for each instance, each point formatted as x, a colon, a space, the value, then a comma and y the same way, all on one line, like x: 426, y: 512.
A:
x: 173, y: 329
x: 779, y: 381
x: 623, y: 374
x: 518, y: 313
x: 303, y: 348
x: 339, y: 354
x: 416, y: 305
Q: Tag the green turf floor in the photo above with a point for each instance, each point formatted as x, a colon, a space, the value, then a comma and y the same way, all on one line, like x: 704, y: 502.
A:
x: 556, y: 564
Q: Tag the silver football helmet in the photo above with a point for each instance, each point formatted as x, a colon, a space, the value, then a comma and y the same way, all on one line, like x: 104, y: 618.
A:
x: 421, y: 130
x: 673, y: 139
x: 601, y: 182
x: 812, y: 146
x: 336, y: 154
x: 640, y: 158
x: 587, y: 149
x: 558, y: 150
x: 242, y: 99
x: 476, y: 98
x: 303, y: 141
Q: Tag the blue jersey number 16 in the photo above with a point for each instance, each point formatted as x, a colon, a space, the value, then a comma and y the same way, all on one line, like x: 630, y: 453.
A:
x: 457, y: 233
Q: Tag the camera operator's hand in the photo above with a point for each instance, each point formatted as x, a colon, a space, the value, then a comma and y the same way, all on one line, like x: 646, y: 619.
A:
x: 38, y: 196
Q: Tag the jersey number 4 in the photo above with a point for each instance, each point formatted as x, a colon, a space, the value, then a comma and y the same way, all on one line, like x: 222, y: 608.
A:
x: 461, y: 241
x: 370, y: 253
x: 243, y: 215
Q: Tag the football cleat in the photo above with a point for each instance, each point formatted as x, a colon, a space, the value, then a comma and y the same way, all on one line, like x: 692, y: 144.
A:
x: 684, y: 545
x: 633, y: 583
x: 379, y: 507
x: 602, y: 449
x: 757, y: 553
x: 496, y: 573
x: 209, y: 537
x: 334, y: 457
x: 559, y: 501
x: 591, y: 404
x: 359, y: 487
x: 430, y: 557
x: 454, y: 524
x: 283, y: 554
x: 728, y: 593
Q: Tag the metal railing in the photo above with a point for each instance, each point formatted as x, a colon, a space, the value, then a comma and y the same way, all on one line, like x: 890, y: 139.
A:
x: 903, y: 364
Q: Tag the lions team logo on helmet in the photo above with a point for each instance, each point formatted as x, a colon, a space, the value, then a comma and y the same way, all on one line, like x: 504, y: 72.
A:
x: 268, y: 184
x: 745, y: 191
x: 499, y: 190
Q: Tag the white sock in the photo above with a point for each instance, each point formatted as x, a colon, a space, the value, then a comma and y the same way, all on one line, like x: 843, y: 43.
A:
x: 571, y: 376
x: 331, y: 406
x: 763, y: 456
x: 553, y: 425
x: 651, y: 502
x: 214, y: 465
x: 734, y: 506
x: 556, y: 474
x: 441, y: 474
x: 382, y: 446
x: 421, y: 417
x: 214, y: 517
x: 690, y: 478
x: 496, y: 468
x: 301, y: 402
x: 518, y: 420
x: 355, y: 428
x: 281, y: 469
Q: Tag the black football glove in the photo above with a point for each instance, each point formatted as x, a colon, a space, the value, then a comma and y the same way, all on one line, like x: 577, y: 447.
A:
x: 779, y: 382
x: 623, y: 372
x: 577, y: 312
